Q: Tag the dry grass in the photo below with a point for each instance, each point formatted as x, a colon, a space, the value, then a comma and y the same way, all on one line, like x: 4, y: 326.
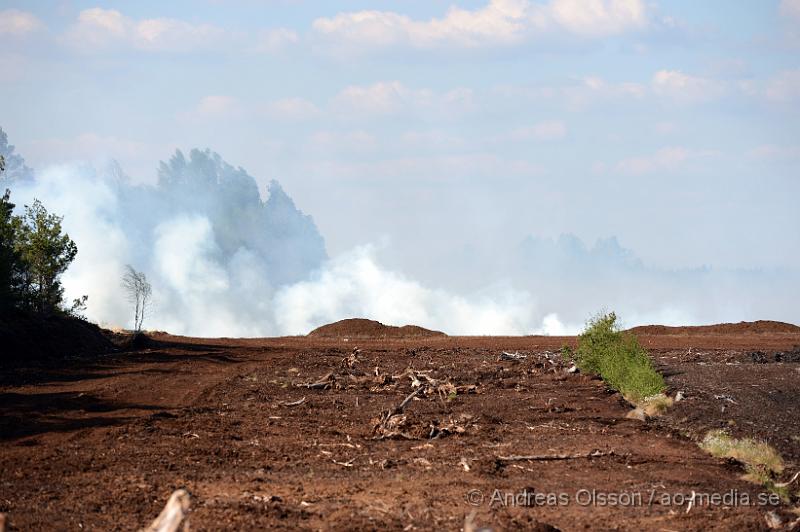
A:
x: 655, y: 405
x: 761, y: 461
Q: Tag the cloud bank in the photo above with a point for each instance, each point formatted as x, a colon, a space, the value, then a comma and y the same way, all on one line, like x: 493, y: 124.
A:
x: 499, y: 23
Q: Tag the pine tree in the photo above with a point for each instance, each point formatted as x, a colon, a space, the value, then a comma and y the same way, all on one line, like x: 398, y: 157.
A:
x: 10, y: 260
x: 46, y: 253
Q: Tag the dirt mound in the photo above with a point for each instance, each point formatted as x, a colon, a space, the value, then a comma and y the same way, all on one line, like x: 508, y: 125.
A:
x: 744, y: 327
x: 362, y: 328
x: 26, y: 337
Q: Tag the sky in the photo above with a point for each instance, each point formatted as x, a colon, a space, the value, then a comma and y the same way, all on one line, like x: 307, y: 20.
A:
x: 444, y: 133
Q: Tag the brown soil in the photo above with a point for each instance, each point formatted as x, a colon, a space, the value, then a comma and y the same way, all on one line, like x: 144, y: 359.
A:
x: 744, y: 327
x: 26, y: 338
x: 292, y: 433
x: 360, y: 328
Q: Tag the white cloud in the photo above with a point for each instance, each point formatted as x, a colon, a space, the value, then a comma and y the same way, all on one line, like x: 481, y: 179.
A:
x: 663, y: 159
x: 291, y: 109
x: 16, y: 23
x: 773, y: 152
x: 783, y: 87
x: 276, y: 40
x: 683, y: 87
x: 576, y: 95
x: 427, y: 139
x: 343, y: 140
x: 599, y: 17
x: 393, y: 97
x: 98, y: 28
x: 383, y: 97
x: 500, y: 22
x: 443, y: 168
x: 665, y: 128
x: 541, y: 131
x: 215, y: 106
x: 790, y: 8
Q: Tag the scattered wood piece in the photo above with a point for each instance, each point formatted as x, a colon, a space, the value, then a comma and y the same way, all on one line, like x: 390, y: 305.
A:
x: 464, y: 463
x: 691, y: 502
x: 350, y: 445
x: 726, y: 398
x: 173, y: 513
x: 352, y: 359
x: 2, y: 522
x: 469, y: 522
x: 402, y: 406
x: 294, y: 403
x: 790, y: 482
x: 391, y: 422
x: 323, y: 383
x: 549, y: 457
x: 773, y: 520
x: 512, y: 356
x: 191, y: 435
x: 349, y: 463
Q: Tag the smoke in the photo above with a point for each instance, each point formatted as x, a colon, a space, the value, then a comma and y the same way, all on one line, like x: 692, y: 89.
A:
x: 223, y: 261
x: 354, y: 284
x: 215, y: 275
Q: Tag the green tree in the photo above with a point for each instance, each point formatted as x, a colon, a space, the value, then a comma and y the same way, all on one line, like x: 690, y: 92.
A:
x: 10, y: 260
x: 46, y: 253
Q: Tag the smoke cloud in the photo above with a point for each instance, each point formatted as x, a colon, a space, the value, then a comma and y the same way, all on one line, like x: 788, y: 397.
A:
x: 223, y: 261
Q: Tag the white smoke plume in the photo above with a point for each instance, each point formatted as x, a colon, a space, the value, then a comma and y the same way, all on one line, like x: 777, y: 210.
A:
x: 199, y: 290
x: 225, y: 262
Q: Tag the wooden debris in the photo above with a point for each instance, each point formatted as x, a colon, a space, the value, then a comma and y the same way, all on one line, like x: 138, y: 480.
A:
x: 352, y: 359
x: 391, y: 422
x: 173, y: 514
x: 773, y: 520
x: 512, y: 356
x: 294, y: 403
x: 323, y: 383
x: 790, y: 482
x: 725, y: 398
x: 550, y: 457
x: 469, y: 522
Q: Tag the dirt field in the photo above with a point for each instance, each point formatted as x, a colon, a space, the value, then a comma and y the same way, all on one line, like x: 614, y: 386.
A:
x: 299, y: 433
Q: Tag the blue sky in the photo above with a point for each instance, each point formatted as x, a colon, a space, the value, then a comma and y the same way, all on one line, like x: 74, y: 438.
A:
x: 435, y: 127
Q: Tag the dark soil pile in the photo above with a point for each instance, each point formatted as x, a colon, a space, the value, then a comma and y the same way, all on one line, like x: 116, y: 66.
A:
x: 362, y: 328
x: 25, y: 337
x: 744, y: 327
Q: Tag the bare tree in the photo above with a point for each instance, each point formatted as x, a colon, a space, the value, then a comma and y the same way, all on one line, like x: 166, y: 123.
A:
x: 139, y: 291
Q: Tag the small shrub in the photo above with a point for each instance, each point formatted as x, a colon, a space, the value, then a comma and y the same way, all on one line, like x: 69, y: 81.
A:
x: 618, y: 358
x: 761, y: 461
x: 567, y: 353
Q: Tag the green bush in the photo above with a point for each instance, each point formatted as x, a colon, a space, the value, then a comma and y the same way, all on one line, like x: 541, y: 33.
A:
x: 618, y: 358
